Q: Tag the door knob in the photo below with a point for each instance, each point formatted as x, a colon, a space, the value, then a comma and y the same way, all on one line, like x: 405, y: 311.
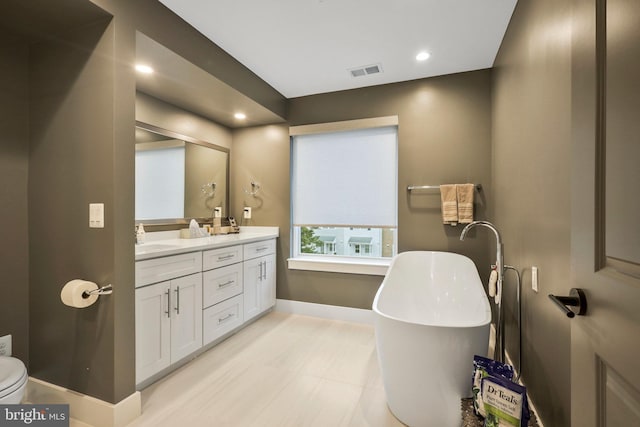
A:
x: 575, y: 303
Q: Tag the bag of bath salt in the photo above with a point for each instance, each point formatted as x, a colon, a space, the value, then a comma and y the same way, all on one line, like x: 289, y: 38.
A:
x: 483, y: 367
x: 505, y: 403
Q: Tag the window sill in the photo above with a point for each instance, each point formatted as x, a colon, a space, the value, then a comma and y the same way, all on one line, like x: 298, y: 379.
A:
x: 371, y: 267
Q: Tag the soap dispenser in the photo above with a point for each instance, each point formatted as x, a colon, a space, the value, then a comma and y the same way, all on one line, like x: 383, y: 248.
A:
x: 140, y: 234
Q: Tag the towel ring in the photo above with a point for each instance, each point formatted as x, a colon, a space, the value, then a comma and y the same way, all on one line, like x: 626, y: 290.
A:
x: 255, y: 187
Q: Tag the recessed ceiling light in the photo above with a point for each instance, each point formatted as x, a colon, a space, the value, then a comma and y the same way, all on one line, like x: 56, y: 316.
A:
x: 423, y: 56
x: 240, y: 116
x: 145, y: 69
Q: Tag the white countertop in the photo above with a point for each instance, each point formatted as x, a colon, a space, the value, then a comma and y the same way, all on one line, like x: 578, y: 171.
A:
x: 164, y: 243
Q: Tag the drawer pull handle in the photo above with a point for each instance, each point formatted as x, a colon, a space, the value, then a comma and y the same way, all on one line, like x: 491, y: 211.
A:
x: 222, y: 285
x: 264, y: 248
x: 224, y: 319
x: 226, y: 257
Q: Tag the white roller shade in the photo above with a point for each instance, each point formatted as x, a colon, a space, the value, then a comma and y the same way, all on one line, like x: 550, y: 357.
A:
x: 345, y: 178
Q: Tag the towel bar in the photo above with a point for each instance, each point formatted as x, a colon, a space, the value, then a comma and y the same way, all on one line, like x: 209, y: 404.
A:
x: 411, y: 188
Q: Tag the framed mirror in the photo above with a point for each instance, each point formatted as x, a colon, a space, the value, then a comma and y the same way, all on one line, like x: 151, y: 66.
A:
x: 178, y: 178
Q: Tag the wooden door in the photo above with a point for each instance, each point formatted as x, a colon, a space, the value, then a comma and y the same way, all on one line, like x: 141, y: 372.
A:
x: 605, y: 343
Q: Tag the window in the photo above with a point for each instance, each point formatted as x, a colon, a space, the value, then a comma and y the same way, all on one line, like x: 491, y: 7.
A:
x: 344, y: 194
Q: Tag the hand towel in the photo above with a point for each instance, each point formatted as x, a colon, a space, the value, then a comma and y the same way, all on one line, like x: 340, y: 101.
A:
x: 448, y: 196
x: 465, y: 202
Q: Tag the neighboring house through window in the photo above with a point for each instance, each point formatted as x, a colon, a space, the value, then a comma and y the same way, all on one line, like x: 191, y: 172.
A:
x: 360, y: 246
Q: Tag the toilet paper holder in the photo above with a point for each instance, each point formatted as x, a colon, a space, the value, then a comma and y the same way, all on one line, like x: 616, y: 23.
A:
x: 104, y: 290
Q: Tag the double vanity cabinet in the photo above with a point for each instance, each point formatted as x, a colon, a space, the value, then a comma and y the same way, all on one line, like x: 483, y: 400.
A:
x: 190, y: 293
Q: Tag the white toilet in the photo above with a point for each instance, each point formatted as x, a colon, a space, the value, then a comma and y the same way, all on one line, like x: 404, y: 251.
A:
x: 13, y: 380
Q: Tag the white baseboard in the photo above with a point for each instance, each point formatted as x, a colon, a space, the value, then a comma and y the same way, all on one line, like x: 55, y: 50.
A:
x: 83, y: 408
x: 531, y: 405
x: 334, y: 312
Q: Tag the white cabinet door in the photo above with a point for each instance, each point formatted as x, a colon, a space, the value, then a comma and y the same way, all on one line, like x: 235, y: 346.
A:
x: 186, y: 316
x: 259, y: 285
x: 153, y: 324
x: 252, y: 274
x: 268, y: 283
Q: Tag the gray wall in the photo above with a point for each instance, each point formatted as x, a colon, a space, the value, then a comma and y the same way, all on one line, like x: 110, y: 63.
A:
x: 531, y: 169
x: 444, y: 137
x: 262, y: 154
x: 71, y: 164
x: 14, y: 162
x: 67, y: 145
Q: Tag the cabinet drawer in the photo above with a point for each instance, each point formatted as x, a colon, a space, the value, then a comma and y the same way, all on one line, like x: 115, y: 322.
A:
x: 222, y: 318
x: 166, y: 268
x: 220, y: 257
x: 221, y: 284
x: 254, y: 250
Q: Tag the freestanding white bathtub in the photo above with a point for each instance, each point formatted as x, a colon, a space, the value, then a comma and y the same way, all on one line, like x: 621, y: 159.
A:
x: 432, y: 316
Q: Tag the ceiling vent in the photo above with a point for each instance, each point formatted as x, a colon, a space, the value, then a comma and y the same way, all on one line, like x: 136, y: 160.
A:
x: 366, y: 70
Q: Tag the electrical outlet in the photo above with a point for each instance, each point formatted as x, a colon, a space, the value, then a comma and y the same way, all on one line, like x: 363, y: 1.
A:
x: 534, y: 279
x: 247, y: 213
x: 5, y: 345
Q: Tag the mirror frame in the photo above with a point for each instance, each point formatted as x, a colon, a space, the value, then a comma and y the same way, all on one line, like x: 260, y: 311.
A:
x: 176, y: 135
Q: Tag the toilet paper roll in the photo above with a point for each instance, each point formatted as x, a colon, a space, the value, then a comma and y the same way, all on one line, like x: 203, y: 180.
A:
x: 72, y: 293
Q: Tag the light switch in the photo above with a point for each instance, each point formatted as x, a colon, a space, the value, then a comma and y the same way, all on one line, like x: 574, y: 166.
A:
x: 534, y: 279
x: 96, y: 215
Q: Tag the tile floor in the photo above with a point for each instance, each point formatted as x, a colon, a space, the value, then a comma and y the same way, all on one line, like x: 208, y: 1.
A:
x: 282, y: 370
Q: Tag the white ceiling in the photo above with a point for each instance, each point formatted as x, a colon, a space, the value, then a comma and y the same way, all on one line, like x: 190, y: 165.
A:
x: 304, y: 47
